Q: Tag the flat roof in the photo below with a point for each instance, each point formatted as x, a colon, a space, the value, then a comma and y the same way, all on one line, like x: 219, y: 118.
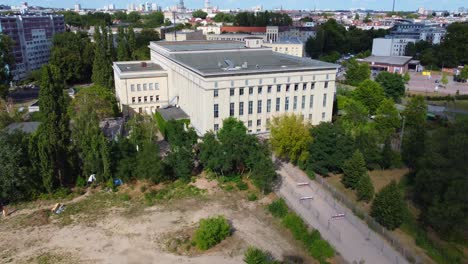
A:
x: 247, y: 61
x: 172, y: 113
x: 392, y: 60
x: 125, y: 67
x: 175, y: 46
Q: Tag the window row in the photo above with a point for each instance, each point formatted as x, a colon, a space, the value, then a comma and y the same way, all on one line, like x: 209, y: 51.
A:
x: 269, y: 88
x: 144, y: 99
x: 144, y: 87
x: 269, y: 103
x: 260, y: 81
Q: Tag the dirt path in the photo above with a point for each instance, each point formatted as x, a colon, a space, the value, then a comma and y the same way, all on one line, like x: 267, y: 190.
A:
x: 348, y: 240
x: 120, y: 237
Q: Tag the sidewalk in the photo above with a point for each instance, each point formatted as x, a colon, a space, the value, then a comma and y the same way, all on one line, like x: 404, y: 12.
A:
x: 351, y: 242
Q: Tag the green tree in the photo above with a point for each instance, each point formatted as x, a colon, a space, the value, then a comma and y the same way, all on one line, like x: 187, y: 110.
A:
x: 329, y: 149
x: 387, y: 155
x: 223, y: 17
x: 133, y: 17
x: 365, y: 188
x: 153, y: 20
x: 6, y: 63
x: 356, y: 72
x: 444, y: 80
x: 393, y: 84
x: 211, y: 231
x: 19, y: 181
x: 370, y: 93
x: 102, y: 65
x: 414, y: 138
x: 389, y: 208
x: 353, y: 170
x: 355, y: 116
x: 132, y: 44
x: 263, y: 171
x: 51, y: 140
x: 464, y: 73
x: 199, y: 14
x: 387, y: 119
x: 123, y: 51
x: 290, y: 137
x: 367, y: 19
x: 367, y: 141
x: 149, y: 165
x: 356, y: 17
x: 95, y: 97
x: 181, y: 157
x: 410, y: 49
x: 406, y: 77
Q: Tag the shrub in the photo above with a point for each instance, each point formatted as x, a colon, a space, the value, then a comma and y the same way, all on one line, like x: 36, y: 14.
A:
x: 211, y: 231
x: 80, y: 182
x: 298, y: 228
x: 258, y: 256
x: 321, y: 250
x: 278, y: 208
x: 242, y: 186
x: 252, y: 197
x: 389, y: 208
x: 365, y: 189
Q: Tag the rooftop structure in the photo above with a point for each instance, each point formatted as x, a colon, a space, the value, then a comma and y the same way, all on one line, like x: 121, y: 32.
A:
x: 25, y: 127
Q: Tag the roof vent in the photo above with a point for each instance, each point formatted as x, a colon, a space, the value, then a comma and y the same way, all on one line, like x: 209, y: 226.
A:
x: 220, y: 64
x: 143, y: 64
x: 229, y: 63
x: 245, y: 65
x: 257, y: 66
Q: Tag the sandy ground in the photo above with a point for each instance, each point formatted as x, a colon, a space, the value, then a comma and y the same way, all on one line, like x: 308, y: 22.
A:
x: 145, y: 237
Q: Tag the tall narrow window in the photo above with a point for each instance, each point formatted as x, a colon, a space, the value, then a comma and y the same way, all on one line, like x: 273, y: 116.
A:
x: 216, y: 112
x: 231, y: 92
x: 259, y: 106
x: 303, y: 102
x: 269, y: 89
x: 295, y: 103
x: 326, y: 85
x: 260, y: 90
x: 132, y: 87
x: 278, y: 88
x: 278, y: 103
x: 231, y: 109
x: 250, y: 90
x: 241, y: 108
x: 324, y: 100
x: 312, y: 85
x: 286, y: 104
x: 311, y: 102
x: 250, y: 107
x: 268, y: 105
x: 215, y: 93
x: 241, y: 91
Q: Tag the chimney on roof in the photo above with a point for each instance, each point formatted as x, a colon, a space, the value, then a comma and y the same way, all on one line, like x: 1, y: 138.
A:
x: 143, y: 64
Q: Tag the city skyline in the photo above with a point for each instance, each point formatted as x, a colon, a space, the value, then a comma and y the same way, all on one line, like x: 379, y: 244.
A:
x: 271, y: 4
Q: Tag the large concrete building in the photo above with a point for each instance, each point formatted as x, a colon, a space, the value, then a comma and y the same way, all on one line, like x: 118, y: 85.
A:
x: 390, y: 46
x: 32, y: 35
x: 213, y: 80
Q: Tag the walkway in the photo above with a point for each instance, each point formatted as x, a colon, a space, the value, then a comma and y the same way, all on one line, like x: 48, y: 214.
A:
x: 317, y: 208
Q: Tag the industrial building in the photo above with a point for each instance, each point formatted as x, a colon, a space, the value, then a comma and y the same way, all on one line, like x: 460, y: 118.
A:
x: 212, y: 80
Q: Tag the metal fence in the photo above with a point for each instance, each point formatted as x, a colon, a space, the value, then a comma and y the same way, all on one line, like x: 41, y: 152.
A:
x: 365, y: 223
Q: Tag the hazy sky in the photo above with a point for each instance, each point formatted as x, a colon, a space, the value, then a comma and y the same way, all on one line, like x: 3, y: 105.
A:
x: 286, y: 4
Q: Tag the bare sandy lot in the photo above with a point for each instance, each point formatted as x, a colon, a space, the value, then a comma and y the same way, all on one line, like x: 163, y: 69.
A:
x: 121, y: 228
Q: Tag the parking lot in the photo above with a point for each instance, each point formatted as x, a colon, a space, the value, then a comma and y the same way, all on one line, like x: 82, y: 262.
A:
x: 420, y: 84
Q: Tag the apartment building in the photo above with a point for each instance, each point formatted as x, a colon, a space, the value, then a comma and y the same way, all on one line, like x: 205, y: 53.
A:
x: 390, y: 46
x: 32, y: 35
x: 213, y: 80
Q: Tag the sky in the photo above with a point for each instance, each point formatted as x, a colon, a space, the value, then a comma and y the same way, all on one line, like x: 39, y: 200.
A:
x: 401, y: 5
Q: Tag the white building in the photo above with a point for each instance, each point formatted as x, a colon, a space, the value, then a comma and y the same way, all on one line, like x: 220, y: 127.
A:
x: 213, y: 80
x: 77, y: 7
x: 184, y: 35
x: 390, y: 47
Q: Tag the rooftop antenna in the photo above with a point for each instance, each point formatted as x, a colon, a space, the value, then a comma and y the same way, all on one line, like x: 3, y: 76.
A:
x: 393, y: 9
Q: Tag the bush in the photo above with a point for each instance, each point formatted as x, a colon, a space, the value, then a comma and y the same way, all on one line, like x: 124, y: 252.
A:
x: 242, y: 186
x: 252, y: 197
x: 258, y: 256
x: 278, y: 208
x: 80, y: 182
x: 298, y: 228
x: 365, y: 189
x: 389, y: 208
x: 211, y: 231
x: 321, y: 250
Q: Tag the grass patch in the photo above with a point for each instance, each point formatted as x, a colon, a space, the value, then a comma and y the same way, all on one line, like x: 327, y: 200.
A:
x: 252, y: 197
x: 317, y: 247
x: 175, y: 190
x: 211, y: 231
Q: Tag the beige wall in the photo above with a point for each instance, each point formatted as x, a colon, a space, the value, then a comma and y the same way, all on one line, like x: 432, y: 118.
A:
x: 287, y: 48
x: 182, y: 36
x: 196, y: 95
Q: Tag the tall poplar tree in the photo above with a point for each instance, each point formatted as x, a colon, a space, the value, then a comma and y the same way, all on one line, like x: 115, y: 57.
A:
x: 50, y: 143
x: 132, y: 45
x: 102, y: 65
x: 122, y: 46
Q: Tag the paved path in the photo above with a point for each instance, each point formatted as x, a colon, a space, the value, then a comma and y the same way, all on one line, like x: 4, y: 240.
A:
x: 346, y: 238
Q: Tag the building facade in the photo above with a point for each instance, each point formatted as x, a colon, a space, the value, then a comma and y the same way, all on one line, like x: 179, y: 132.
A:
x: 390, y: 47
x: 32, y: 35
x: 214, y: 80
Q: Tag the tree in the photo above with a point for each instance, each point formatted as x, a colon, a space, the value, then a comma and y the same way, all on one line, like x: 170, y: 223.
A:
x: 389, y: 208
x: 95, y: 97
x: 414, y: 138
x: 410, y: 49
x: 353, y: 170
x: 199, y: 14
x: 223, y: 17
x: 329, y: 149
x: 444, y: 80
x: 367, y: 141
x: 388, y: 155
x: 132, y: 45
x: 50, y: 142
x: 393, y: 84
x: 387, y: 119
x: 290, y: 137
x: 102, y: 65
x: 356, y: 72
x: 7, y: 61
x: 464, y: 73
x: 365, y: 188
x: 133, y: 17
x: 123, y: 50
x: 406, y: 77
x: 367, y: 19
x: 263, y: 170
x: 153, y: 20
x: 149, y: 165
x: 369, y: 93
x: 355, y: 116
x: 181, y: 157
x: 18, y: 181
x: 356, y: 17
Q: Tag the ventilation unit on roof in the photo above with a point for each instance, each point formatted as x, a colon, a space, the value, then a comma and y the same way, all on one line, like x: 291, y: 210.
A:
x: 229, y: 63
x: 257, y: 66
x: 245, y: 65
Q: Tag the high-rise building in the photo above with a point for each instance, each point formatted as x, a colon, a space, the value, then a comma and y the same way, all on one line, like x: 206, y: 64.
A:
x: 32, y: 35
x: 77, y: 7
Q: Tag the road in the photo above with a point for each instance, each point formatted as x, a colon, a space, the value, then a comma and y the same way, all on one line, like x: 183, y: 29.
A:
x: 346, y: 238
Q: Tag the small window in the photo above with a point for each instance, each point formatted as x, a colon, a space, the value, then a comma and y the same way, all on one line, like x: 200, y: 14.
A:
x: 249, y: 123
x: 260, y: 81
x: 323, y: 115
x: 278, y: 88
x: 156, y: 86
x: 132, y: 87
x: 157, y: 97
x: 145, y: 99
x: 287, y: 87
x: 139, y: 87
x: 260, y: 90
x: 232, y: 83
x: 259, y: 122
x: 304, y: 86
x: 144, y: 87
x: 216, y: 84
x: 215, y: 93
x: 296, y: 87
x: 215, y: 111
x: 231, y: 109
x: 326, y: 85
x: 231, y: 92
x: 241, y: 91
x: 150, y: 86
x: 139, y: 99
x: 269, y: 89
x: 151, y: 98
x: 312, y: 85
x: 133, y: 99
x: 216, y: 127
x: 250, y: 90
x: 246, y: 82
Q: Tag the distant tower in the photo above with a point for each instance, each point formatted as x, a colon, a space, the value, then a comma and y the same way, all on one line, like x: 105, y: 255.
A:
x: 393, y: 9
x: 207, y: 4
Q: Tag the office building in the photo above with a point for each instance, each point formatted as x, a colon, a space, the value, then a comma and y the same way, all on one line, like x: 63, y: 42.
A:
x: 212, y: 80
x: 390, y: 47
x: 32, y: 35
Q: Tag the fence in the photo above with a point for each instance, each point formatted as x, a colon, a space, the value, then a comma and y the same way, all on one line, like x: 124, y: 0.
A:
x: 366, y: 223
